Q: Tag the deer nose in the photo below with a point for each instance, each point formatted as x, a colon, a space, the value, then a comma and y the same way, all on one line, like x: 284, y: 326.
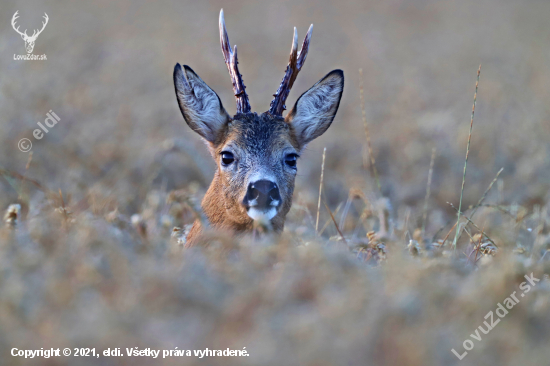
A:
x: 263, y: 195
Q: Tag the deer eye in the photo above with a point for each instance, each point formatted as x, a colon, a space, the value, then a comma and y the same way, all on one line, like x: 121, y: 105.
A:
x: 227, y: 158
x: 291, y: 159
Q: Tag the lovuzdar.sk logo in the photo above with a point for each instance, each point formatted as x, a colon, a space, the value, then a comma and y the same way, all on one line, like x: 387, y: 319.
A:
x: 29, y: 40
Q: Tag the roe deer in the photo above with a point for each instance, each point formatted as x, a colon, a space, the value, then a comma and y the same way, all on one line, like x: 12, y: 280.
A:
x: 255, y: 154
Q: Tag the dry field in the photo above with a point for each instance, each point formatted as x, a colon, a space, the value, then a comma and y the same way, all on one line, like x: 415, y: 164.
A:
x: 92, y: 260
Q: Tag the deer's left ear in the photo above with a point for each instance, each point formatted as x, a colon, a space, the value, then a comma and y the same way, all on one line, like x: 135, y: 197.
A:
x: 314, y: 111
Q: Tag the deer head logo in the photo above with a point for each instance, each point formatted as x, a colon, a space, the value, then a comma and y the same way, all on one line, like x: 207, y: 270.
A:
x: 29, y: 40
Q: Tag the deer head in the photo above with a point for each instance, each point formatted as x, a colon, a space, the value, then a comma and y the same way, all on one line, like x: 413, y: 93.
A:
x: 256, y: 155
x: 29, y: 40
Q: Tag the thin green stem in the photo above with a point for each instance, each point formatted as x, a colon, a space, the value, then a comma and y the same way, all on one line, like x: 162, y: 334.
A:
x: 428, y: 188
x: 367, y: 134
x: 466, y: 164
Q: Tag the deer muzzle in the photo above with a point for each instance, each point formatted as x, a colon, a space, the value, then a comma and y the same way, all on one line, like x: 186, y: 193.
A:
x: 262, y: 200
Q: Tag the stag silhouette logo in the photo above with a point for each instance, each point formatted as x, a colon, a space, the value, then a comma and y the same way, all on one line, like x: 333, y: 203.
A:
x: 29, y: 40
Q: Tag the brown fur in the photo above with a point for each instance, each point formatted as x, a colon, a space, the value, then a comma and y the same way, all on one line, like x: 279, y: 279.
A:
x: 255, y: 136
x: 260, y: 146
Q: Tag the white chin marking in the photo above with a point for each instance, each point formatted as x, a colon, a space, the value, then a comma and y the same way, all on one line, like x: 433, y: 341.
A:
x: 262, y: 216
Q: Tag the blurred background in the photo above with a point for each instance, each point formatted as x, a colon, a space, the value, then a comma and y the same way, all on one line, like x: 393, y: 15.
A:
x: 122, y: 147
x: 109, y: 78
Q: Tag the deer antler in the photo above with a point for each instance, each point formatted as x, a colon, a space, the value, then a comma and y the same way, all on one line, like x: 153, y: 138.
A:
x: 13, y: 21
x: 231, y: 61
x: 34, y: 34
x: 295, y: 63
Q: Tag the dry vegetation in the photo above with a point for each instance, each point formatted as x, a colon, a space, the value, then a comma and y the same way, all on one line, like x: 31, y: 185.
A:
x: 89, y: 256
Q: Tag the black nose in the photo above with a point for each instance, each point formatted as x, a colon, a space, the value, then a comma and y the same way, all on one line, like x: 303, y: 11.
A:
x: 262, y: 194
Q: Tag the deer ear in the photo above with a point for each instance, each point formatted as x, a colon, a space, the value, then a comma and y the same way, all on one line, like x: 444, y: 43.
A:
x: 201, y: 107
x: 314, y: 111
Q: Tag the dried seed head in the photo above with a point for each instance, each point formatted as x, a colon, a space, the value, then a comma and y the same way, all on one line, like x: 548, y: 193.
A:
x: 179, y: 235
x: 438, y: 244
x: 139, y: 223
x: 417, y: 235
x: 371, y: 235
x: 488, y: 248
x: 476, y: 238
x: 12, y: 214
x: 414, y: 248
x: 356, y: 194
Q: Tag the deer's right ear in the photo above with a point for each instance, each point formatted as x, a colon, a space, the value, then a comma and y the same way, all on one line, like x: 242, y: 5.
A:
x: 201, y: 107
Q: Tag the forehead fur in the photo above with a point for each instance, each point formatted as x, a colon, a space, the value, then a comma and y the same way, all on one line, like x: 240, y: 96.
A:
x: 261, y: 132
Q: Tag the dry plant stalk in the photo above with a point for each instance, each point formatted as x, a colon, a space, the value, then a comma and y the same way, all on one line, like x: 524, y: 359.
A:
x: 327, y: 223
x: 346, y: 208
x: 27, y: 166
x: 478, y: 204
x: 320, y: 191
x: 367, y: 134
x: 11, y: 175
x: 406, y: 225
x: 466, y: 162
x: 335, y: 224
x: 472, y: 223
x: 428, y: 189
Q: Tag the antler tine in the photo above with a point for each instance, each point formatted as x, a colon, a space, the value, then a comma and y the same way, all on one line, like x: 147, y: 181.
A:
x: 13, y: 21
x: 294, y: 50
x: 14, y: 18
x: 305, y: 47
x: 230, y: 57
x: 295, y: 63
x: 46, y: 18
